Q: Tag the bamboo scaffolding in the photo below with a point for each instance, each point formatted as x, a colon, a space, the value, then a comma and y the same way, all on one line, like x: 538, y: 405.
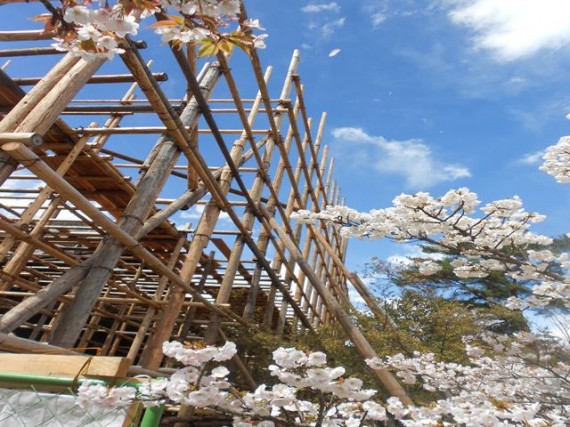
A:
x: 91, y: 237
x: 150, y: 184
x: 363, y: 346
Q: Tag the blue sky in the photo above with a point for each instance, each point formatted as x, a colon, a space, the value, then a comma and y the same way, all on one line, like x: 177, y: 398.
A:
x: 423, y: 95
x: 432, y: 95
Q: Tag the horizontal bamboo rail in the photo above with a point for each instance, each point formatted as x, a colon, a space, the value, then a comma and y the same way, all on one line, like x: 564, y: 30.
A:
x: 29, y: 139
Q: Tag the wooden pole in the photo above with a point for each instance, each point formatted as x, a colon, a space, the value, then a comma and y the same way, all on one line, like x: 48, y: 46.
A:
x: 40, y: 108
x: 263, y: 240
x: 249, y: 215
x: 384, y: 376
x: 368, y: 298
x: 30, y: 139
x: 201, y: 238
x: 150, y: 315
x: 32, y: 305
x: 24, y: 250
x: 189, y: 198
x: 115, y: 78
x: 149, y: 186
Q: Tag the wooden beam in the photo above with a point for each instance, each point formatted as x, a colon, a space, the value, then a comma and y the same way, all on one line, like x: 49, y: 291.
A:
x: 64, y: 366
x: 385, y: 377
x: 31, y: 305
x: 28, y: 138
x: 114, y: 78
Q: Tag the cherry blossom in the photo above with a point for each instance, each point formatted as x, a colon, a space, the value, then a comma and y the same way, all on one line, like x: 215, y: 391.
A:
x: 336, y: 400
x: 518, y: 385
x: 498, y: 239
x: 557, y: 160
x: 86, y: 30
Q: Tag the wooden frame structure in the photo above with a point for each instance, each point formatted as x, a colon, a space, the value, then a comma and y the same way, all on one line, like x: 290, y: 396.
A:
x: 90, y: 255
x: 100, y: 169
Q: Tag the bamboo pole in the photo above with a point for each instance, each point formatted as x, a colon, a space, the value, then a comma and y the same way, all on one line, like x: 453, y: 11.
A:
x: 384, y: 376
x: 142, y: 130
x: 308, y: 239
x: 278, y: 261
x: 201, y: 238
x: 169, y: 117
x: 263, y: 239
x: 192, y: 308
x: 24, y: 250
x: 30, y: 139
x: 149, y: 186
x: 99, y: 79
x: 151, y: 313
x: 223, y: 202
x: 255, y: 193
x: 30, y: 306
x: 13, y: 36
x: 189, y: 198
x: 35, y: 51
x: 38, y: 96
x: 19, y: 258
x: 368, y: 298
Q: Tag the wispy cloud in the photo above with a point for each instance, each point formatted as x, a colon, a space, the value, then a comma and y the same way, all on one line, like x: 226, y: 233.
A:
x: 531, y: 158
x: 196, y: 212
x: 330, y: 27
x: 514, y: 29
x: 321, y: 7
x: 378, y: 19
x: 411, y: 159
x: 405, y: 254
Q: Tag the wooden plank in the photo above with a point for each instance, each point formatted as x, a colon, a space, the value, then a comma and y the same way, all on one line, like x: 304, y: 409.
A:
x: 64, y: 366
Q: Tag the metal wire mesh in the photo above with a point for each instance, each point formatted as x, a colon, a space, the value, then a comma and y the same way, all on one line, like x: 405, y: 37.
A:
x: 32, y: 408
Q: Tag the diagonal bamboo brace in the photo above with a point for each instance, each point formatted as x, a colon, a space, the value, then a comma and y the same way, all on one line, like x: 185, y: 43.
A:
x: 385, y: 377
x: 29, y: 159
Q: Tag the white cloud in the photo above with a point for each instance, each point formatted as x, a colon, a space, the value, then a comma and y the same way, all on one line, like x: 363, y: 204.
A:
x: 330, y: 27
x: 357, y: 301
x: 412, y: 158
x: 196, y: 213
x: 378, y: 19
x: 517, y: 81
x: 406, y: 252
x: 531, y: 158
x: 322, y: 7
x: 514, y: 29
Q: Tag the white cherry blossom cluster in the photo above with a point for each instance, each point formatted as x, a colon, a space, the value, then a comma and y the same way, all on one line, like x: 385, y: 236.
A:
x: 513, y: 387
x: 96, y: 30
x: 516, y: 386
x: 90, y: 393
x: 92, y: 31
x: 328, y: 398
x: 495, y: 240
x: 557, y: 160
x: 211, y: 8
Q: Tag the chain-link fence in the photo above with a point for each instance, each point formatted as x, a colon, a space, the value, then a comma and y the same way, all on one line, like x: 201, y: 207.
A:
x: 31, y: 401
